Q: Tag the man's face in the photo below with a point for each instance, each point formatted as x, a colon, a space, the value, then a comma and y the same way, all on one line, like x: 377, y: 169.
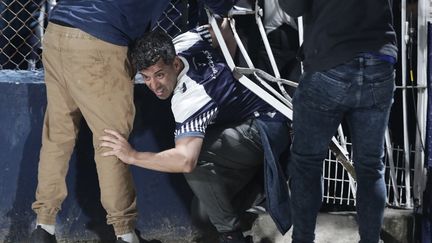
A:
x: 161, y: 78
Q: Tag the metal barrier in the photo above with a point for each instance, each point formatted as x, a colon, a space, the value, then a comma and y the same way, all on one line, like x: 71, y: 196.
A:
x: 22, y: 23
x: 21, y: 28
x: 338, y: 189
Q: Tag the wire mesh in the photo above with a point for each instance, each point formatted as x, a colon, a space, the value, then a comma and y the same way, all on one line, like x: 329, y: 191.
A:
x: 22, y: 23
x: 21, y: 28
x: 337, y: 189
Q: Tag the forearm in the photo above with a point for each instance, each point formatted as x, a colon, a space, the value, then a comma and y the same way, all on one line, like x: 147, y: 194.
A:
x: 227, y: 35
x: 182, y: 158
x: 166, y: 161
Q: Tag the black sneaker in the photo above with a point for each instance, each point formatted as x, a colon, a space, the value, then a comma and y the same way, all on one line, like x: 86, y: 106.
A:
x: 232, y: 237
x: 40, y: 235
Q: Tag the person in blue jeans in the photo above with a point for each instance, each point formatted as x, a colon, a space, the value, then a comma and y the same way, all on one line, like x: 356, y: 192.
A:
x: 348, y: 54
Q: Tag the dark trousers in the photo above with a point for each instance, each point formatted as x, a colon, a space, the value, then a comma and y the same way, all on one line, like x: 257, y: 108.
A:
x: 231, y: 156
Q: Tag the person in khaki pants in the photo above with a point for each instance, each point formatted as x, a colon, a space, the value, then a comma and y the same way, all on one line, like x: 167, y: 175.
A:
x: 95, y: 85
x: 87, y: 75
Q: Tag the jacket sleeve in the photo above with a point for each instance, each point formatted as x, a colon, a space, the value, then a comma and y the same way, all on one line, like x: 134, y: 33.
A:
x: 219, y: 7
x: 295, y: 8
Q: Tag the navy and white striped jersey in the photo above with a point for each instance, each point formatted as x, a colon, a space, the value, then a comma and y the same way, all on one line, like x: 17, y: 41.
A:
x: 206, y: 90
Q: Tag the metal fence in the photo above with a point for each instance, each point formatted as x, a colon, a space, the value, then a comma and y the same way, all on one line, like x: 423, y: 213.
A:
x: 340, y: 189
x: 22, y: 23
x: 21, y: 28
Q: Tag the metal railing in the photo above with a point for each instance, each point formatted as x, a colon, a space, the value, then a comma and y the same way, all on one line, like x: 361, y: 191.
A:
x: 338, y: 189
x: 21, y: 28
x: 22, y: 23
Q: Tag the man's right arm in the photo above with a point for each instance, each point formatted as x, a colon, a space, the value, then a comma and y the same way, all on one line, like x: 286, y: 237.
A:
x: 295, y: 8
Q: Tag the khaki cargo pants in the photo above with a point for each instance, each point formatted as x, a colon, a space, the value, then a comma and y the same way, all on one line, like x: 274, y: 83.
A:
x: 85, y: 77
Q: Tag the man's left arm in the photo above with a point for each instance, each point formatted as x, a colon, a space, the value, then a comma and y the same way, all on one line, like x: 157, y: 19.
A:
x: 227, y: 35
x: 180, y: 159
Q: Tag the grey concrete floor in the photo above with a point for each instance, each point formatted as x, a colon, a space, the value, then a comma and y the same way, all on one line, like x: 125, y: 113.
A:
x: 340, y: 227
x: 331, y: 227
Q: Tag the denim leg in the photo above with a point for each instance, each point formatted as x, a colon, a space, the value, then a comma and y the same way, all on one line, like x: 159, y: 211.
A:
x: 317, y: 115
x: 367, y: 125
x: 367, y: 128
x: 360, y: 91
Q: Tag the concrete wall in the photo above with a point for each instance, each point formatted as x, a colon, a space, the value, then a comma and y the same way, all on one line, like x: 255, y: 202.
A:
x: 163, y: 199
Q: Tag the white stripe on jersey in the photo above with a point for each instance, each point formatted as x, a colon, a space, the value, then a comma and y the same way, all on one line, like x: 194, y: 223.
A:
x: 185, y: 41
x: 189, y: 96
x: 198, y: 125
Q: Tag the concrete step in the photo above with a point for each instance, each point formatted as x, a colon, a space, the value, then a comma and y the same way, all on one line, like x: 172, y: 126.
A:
x: 339, y: 227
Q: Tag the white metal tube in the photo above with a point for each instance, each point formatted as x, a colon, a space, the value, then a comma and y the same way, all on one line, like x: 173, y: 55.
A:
x: 406, y: 152
x: 424, y: 9
x: 300, y: 32
x: 221, y: 42
x: 267, y: 45
x: 240, y: 45
x: 392, y: 167
x: 274, y: 92
x: 341, y: 153
x: 343, y: 143
x: 269, y: 50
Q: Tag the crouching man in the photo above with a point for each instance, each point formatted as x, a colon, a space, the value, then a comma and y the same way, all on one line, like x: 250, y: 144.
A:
x: 223, y: 132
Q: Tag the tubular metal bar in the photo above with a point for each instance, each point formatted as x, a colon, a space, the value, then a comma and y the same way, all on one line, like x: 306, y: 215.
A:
x: 249, y: 62
x: 258, y: 14
x: 343, y: 143
x: 243, y: 11
x: 404, y: 30
x: 221, y: 41
x: 278, y: 105
x: 265, y: 76
x: 340, y: 153
x: 411, y: 87
x: 274, y: 92
x: 420, y: 171
x: 392, y: 167
x: 300, y: 31
x: 342, y: 156
x: 240, y: 44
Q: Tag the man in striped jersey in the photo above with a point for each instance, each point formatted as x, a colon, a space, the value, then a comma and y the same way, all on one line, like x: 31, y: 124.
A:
x: 223, y: 130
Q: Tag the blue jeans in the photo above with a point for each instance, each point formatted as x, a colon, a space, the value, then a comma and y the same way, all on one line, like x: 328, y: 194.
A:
x: 361, y: 92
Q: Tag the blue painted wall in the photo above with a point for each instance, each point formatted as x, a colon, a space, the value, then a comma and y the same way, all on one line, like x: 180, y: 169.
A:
x: 163, y: 199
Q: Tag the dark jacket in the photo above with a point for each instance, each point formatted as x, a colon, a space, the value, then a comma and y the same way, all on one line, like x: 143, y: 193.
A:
x: 118, y: 21
x: 276, y: 142
x: 335, y: 31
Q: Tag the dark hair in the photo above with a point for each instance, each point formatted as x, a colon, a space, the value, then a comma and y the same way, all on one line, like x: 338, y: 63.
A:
x: 147, y: 50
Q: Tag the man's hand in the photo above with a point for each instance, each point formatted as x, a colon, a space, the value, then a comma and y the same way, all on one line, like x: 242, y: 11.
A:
x: 119, y: 145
